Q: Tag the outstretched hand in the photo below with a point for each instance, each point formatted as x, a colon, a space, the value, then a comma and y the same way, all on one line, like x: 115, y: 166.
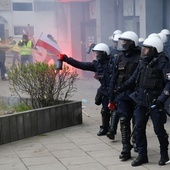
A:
x: 62, y: 57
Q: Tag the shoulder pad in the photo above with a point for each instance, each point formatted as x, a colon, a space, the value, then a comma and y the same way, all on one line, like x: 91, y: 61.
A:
x: 164, y: 57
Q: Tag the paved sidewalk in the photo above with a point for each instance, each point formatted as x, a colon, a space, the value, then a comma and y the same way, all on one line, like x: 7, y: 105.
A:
x: 75, y: 148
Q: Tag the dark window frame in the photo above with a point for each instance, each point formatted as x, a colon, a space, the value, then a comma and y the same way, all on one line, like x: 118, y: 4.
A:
x: 22, y: 6
x: 20, y: 30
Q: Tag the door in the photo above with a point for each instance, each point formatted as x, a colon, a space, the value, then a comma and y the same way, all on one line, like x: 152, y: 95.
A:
x: 88, y: 36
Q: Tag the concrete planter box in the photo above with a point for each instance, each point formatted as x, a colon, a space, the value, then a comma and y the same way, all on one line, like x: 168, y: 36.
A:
x: 30, y: 123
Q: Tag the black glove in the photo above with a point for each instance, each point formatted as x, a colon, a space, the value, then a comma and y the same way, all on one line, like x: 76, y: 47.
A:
x: 120, y: 89
x: 21, y: 43
x: 62, y: 57
x: 158, y: 104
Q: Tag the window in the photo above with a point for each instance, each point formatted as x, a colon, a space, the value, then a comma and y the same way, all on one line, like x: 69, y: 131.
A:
x: 20, y: 30
x: 22, y: 6
x: 45, y: 6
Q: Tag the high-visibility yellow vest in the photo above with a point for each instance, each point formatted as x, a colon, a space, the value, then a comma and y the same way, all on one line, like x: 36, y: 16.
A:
x: 26, y: 49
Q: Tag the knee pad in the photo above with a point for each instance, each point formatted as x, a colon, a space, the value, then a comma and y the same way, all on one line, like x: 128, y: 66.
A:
x: 123, y: 120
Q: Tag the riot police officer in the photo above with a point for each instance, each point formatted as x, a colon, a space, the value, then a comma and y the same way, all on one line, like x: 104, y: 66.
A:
x: 114, y: 52
x: 141, y: 40
x: 114, y: 38
x: 151, y: 86
x: 114, y: 48
x: 167, y: 43
x: 115, y: 32
x: 102, y: 68
x: 124, y: 65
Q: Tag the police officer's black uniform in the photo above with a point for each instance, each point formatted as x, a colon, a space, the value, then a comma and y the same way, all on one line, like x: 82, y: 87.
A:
x: 124, y: 65
x: 103, y: 70
x: 151, y: 85
x: 167, y: 47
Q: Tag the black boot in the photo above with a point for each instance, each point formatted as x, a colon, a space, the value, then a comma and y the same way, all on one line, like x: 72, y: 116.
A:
x: 135, y: 147
x: 125, y: 132
x: 163, y: 140
x: 125, y: 154
x: 103, y: 131
x: 140, y: 160
x: 113, y: 125
x: 163, y: 159
x: 105, y: 124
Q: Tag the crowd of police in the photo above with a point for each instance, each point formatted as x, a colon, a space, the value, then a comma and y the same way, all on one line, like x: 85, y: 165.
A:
x: 134, y: 74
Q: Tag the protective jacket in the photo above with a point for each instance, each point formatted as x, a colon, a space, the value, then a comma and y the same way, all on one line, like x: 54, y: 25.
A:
x: 124, y: 65
x: 150, y: 80
x: 102, y: 69
x: 167, y: 49
x: 25, y: 48
x: 14, y: 46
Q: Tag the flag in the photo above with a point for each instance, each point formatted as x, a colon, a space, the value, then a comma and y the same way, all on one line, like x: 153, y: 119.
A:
x: 24, y: 32
x: 48, y: 44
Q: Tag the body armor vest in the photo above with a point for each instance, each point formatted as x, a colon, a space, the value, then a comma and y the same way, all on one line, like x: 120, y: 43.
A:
x: 126, y: 69
x: 150, y: 78
x: 103, y: 73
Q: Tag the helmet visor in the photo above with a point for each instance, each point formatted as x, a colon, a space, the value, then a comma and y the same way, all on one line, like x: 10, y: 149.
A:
x: 99, y: 55
x: 145, y: 51
x: 123, y: 44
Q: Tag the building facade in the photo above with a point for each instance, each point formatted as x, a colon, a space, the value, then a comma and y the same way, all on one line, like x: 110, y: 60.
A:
x: 17, y: 15
x: 77, y: 23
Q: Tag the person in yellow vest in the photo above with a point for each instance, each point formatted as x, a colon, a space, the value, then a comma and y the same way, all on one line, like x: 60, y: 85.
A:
x: 3, y: 70
x: 15, y: 50
x: 26, y: 47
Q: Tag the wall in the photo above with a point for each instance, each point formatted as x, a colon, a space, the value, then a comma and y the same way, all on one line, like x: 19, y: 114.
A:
x: 76, y: 17
x: 166, y: 11
x: 106, y: 20
x: 34, y: 122
x: 154, y: 16
x: 141, y: 12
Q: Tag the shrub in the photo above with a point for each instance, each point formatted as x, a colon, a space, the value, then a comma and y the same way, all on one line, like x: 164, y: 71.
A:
x: 21, y: 107
x: 43, y: 83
